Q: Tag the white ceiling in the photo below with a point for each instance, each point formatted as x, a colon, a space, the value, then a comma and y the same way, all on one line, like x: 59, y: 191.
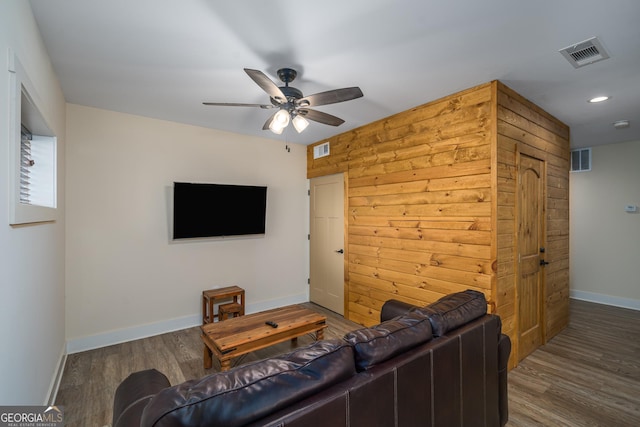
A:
x: 163, y: 58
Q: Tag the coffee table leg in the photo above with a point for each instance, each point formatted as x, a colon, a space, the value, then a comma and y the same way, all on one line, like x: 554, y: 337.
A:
x: 320, y: 334
x: 208, y: 362
x: 225, y: 365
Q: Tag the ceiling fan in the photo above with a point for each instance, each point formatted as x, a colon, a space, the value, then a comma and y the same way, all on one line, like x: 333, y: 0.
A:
x: 292, y: 104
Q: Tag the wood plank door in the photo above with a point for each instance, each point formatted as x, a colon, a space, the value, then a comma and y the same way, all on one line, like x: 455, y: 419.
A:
x: 530, y: 248
x: 326, y: 286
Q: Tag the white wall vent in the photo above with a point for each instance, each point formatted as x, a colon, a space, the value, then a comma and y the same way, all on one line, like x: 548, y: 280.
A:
x: 585, y: 53
x: 581, y: 160
x: 321, y: 150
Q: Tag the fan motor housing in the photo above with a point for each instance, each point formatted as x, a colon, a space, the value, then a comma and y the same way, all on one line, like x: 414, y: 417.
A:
x: 291, y: 92
x: 292, y: 95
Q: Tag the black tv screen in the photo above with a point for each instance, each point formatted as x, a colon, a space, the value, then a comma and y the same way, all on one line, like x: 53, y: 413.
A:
x: 214, y: 210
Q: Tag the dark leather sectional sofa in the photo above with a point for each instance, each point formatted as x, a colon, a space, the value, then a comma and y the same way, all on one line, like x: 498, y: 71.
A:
x: 440, y: 365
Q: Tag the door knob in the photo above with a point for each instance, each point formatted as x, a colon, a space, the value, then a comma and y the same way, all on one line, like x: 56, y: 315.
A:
x: 340, y: 251
x: 543, y: 262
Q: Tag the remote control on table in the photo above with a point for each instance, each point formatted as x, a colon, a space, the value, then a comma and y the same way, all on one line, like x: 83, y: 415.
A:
x: 271, y: 323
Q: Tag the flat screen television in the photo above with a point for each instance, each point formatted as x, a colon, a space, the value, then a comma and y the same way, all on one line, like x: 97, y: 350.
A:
x: 216, y: 210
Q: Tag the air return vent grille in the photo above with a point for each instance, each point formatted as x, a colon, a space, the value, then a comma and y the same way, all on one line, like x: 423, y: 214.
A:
x: 321, y: 150
x: 585, y: 53
x: 581, y: 160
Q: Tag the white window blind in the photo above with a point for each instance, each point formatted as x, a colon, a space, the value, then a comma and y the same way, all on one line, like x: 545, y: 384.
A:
x: 25, y: 165
x: 37, y: 169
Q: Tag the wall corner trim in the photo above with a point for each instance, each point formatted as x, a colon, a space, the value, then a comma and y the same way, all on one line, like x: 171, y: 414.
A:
x: 57, y: 377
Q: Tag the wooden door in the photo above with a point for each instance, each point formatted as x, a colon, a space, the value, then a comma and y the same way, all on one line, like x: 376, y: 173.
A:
x: 326, y: 286
x: 530, y: 248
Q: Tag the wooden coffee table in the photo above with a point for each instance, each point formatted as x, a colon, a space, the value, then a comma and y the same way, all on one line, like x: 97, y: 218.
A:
x: 240, y: 335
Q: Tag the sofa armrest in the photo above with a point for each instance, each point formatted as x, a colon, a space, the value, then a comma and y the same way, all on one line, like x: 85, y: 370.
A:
x: 504, y: 350
x: 133, y: 394
x: 394, y: 308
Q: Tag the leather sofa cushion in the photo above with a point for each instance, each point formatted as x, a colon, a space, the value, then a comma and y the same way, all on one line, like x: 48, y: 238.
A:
x: 250, y: 392
x: 394, y: 308
x: 454, y: 310
x: 388, y: 339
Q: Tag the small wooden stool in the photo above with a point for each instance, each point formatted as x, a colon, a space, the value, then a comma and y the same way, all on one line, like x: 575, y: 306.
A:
x: 233, y: 308
x: 211, y: 296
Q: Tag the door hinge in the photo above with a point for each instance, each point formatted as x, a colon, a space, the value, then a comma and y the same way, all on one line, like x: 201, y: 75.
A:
x: 308, y: 192
x: 308, y: 236
x: 308, y: 281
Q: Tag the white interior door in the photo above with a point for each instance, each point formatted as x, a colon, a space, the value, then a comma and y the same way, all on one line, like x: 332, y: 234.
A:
x: 327, y: 242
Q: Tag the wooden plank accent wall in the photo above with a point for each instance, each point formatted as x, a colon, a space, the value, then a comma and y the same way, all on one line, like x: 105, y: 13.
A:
x: 432, y: 199
x: 525, y: 128
x: 419, y: 203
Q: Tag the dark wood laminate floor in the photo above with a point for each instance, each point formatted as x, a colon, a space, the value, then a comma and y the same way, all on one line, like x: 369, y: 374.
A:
x: 589, y: 375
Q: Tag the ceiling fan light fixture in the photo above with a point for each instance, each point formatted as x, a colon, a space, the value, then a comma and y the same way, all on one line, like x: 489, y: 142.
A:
x: 292, y: 104
x: 300, y: 123
x: 279, y: 122
x: 276, y: 130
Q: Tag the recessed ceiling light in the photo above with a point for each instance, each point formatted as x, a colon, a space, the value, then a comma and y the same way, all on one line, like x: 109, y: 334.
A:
x: 599, y: 99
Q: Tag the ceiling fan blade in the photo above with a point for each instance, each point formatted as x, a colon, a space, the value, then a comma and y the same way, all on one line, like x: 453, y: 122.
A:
x: 320, y: 117
x: 330, y: 97
x: 267, y: 85
x: 237, y: 104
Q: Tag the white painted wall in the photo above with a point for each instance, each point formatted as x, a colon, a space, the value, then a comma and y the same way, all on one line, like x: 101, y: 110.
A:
x: 605, y: 240
x: 126, y: 278
x: 31, y: 295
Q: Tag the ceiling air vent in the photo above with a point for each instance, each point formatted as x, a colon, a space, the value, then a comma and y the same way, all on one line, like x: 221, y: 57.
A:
x: 585, y: 53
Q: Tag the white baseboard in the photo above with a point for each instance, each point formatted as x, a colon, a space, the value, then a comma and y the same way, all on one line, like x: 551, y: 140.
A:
x: 276, y: 302
x: 630, y: 303
x: 91, y: 342
x: 57, y: 377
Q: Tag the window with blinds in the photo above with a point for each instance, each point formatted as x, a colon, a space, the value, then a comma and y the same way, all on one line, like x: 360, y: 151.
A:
x: 32, y: 153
